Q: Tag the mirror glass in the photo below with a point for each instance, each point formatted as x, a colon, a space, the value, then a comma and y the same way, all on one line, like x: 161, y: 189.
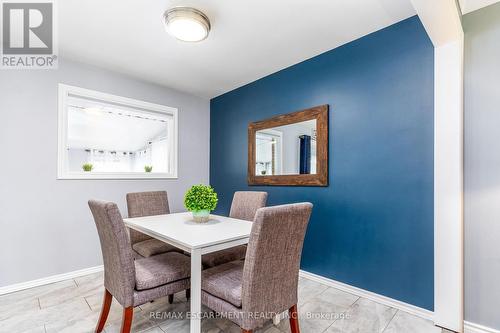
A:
x: 286, y: 150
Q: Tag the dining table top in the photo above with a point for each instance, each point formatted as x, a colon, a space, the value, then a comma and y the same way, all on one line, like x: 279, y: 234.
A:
x: 181, y: 229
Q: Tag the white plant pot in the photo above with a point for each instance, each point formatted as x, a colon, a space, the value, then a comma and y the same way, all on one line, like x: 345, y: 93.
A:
x: 201, y: 216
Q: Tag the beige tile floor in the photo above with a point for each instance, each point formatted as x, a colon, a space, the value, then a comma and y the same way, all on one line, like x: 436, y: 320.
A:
x: 73, y: 306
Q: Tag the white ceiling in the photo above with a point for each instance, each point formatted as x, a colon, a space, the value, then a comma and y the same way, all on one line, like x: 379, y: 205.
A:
x: 468, y: 6
x: 249, y: 38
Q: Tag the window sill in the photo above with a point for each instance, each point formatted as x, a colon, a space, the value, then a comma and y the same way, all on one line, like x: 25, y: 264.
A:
x: 114, y: 176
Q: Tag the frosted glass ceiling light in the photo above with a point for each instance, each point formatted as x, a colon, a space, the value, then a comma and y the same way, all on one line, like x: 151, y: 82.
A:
x: 187, y: 24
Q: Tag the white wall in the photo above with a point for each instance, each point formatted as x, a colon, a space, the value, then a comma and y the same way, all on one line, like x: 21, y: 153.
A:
x: 45, y: 225
x: 482, y: 167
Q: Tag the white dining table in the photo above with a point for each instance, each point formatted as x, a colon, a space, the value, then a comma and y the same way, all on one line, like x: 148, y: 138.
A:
x: 181, y: 231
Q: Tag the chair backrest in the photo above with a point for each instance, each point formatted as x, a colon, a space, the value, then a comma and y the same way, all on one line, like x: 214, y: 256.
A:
x: 146, y: 204
x: 119, y: 269
x: 246, y: 203
x: 271, y: 271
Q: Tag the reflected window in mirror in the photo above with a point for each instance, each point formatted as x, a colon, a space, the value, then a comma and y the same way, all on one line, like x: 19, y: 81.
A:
x: 107, y: 136
x: 269, y: 152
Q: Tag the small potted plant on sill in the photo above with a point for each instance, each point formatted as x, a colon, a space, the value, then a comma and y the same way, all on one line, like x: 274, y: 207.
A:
x: 148, y: 168
x: 87, y: 167
x: 200, y: 200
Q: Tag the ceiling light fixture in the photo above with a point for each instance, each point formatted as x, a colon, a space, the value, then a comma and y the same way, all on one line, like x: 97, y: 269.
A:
x: 187, y: 24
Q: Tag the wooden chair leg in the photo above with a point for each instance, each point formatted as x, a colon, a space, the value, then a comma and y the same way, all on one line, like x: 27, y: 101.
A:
x: 106, y: 305
x: 170, y: 299
x: 294, y: 319
x: 188, y: 294
x: 128, y: 315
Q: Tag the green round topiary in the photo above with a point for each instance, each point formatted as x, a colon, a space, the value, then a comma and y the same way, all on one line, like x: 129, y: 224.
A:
x: 200, y: 197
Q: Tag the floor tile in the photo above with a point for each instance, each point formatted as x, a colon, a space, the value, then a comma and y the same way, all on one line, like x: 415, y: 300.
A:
x: 61, y: 293
x: 39, y: 329
x: 364, y: 316
x: 81, y: 287
x: 320, y: 311
x: 73, y: 306
x: 95, y: 278
x: 12, y: 308
x: 90, y: 284
x: 406, y: 323
x: 153, y: 330
x: 175, y: 326
x: 34, y: 293
x: 65, y: 312
x: 85, y: 324
x: 22, y: 321
x: 139, y: 322
x: 309, y: 289
x: 269, y: 327
x: 225, y: 325
x: 95, y: 301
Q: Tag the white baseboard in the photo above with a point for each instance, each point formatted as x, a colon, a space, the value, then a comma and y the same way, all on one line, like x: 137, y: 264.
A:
x: 476, y: 328
x: 50, y: 279
x: 412, y: 309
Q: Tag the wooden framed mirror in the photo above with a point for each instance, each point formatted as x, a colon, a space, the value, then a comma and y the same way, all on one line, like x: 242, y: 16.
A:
x: 290, y: 149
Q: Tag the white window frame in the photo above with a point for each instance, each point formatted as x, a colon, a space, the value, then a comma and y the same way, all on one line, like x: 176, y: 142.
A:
x: 279, y: 134
x: 62, y: 154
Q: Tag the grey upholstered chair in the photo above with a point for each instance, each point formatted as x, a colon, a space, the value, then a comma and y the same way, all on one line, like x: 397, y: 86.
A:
x: 133, y: 282
x: 141, y: 204
x: 243, y: 207
x: 266, y: 282
x: 148, y: 204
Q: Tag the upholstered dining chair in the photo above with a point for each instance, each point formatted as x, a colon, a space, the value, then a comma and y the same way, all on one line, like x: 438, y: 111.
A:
x: 148, y: 204
x: 253, y: 291
x: 243, y: 207
x: 133, y: 282
x: 151, y: 203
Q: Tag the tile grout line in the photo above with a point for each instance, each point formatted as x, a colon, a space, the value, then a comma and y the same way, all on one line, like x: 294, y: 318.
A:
x: 350, y: 306
x: 390, y: 321
x: 85, y: 299
x: 315, y: 296
x: 306, y: 302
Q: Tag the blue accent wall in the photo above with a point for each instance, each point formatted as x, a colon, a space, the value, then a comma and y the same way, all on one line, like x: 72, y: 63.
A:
x: 372, y: 227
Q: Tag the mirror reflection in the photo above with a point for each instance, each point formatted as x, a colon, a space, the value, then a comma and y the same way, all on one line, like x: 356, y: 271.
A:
x: 286, y: 150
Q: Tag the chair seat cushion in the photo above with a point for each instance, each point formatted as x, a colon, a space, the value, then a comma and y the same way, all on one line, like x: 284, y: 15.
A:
x: 224, y: 282
x: 161, y: 269
x: 136, y: 255
x: 151, y: 247
x: 224, y: 256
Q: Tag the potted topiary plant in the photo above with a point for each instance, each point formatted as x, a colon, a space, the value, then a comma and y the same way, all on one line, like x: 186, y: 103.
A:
x: 148, y: 168
x: 87, y: 167
x: 200, y: 200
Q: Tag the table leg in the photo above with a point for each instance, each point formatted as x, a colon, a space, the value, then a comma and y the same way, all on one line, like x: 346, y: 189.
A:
x: 195, y: 324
